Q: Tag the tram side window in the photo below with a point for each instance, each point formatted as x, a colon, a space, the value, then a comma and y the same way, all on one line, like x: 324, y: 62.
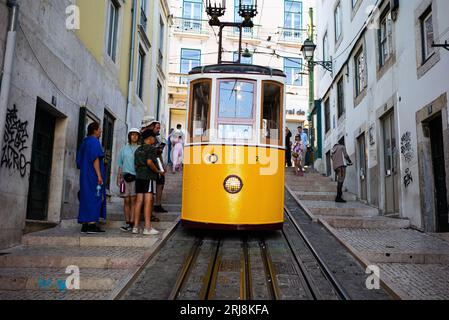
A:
x: 272, y: 113
x: 236, y: 110
x: 200, y: 108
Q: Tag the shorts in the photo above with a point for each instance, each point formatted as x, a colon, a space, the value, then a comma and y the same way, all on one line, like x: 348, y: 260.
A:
x: 130, y: 190
x: 160, y: 180
x: 145, y: 186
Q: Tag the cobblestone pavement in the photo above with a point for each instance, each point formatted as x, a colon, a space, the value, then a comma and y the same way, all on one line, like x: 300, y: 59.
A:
x: 414, y: 265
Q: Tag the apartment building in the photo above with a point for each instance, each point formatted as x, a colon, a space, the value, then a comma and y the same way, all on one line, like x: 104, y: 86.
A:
x: 387, y: 100
x: 275, y: 41
x: 75, y: 62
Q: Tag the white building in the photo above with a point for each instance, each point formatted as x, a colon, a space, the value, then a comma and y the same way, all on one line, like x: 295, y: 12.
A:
x: 275, y: 41
x: 387, y: 97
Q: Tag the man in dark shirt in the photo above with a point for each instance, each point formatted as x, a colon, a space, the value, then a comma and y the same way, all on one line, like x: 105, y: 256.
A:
x: 288, y: 147
x: 147, y: 172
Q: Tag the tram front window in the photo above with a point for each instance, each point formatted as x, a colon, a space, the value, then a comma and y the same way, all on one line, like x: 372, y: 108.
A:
x: 200, y: 108
x: 272, y: 113
x: 236, y: 110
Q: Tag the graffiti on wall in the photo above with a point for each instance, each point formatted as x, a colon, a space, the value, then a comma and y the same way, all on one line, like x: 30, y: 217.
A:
x: 408, y: 178
x: 406, y: 146
x: 15, y: 143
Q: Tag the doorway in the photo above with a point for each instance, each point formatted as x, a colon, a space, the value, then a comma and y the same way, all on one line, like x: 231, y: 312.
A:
x: 390, y: 156
x: 439, y: 173
x: 361, y: 144
x: 328, y: 164
x: 41, y: 165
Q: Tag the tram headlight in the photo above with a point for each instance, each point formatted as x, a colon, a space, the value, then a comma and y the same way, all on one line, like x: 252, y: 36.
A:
x: 233, y: 184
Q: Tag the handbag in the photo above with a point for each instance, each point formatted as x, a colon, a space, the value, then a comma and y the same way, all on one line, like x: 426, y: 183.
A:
x: 129, y: 177
x: 295, y: 155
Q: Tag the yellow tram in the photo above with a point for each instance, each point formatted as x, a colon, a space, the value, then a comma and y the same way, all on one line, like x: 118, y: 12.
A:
x: 234, y: 152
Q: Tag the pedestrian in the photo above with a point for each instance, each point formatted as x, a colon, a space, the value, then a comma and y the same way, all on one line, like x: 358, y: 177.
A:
x: 288, y: 147
x: 305, y: 142
x: 155, y: 126
x: 92, y: 195
x: 297, y: 153
x: 169, y: 161
x: 147, y: 171
x: 340, y: 160
x: 126, y: 178
x: 177, y: 141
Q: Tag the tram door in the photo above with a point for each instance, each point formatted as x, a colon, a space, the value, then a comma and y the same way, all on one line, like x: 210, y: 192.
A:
x: 391, y: 165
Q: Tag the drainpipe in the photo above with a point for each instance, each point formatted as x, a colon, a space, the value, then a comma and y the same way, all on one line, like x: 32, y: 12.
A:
x: 131, y: 63
x: 9, y: 60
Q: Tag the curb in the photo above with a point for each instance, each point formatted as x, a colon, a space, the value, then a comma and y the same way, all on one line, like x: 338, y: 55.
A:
x: 301, y: 204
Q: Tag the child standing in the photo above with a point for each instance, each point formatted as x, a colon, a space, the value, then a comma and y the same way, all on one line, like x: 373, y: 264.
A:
x: 147, y: 172
x: 297, y: 155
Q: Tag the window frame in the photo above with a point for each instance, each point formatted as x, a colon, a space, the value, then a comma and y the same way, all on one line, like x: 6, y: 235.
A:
x: 236, y: 121
x: 300, y: 65
x: 203, y: 138
x: 277, y: 142
x: 426, y: 55
x: 112, y: 41
x: 183, y: 80
x: 358, y: 86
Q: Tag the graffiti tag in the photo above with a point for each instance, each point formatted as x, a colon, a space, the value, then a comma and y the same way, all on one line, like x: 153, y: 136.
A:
x: 406, y: 146
x: 15, y: 143
x: 408, y: 177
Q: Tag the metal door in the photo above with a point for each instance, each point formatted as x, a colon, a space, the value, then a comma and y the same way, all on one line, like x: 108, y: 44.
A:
x: 41, y: 161
x: 390, y: 165
x: 439, y: 174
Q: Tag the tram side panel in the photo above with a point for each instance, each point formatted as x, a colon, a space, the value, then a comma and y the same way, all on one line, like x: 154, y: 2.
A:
x: 259, y: 202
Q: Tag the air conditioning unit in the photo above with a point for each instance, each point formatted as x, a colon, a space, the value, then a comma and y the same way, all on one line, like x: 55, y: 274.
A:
x: 394, y: 7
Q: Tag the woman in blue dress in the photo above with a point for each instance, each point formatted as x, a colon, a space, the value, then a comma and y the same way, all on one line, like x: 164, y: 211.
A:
x: 92, y: 196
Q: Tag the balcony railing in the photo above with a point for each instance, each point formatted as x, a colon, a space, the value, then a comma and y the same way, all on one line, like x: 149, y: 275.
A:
x: 178, y: 78
x: 293, y: 35
x: 191, y: 26
x: 247, y: 33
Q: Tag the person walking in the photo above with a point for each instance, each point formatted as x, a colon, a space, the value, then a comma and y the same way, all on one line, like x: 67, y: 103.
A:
x: 288, y: 147
x: 340, y: 160
x: 126, y: 179
x: 92, y: 195
x: 177, y: 141
x: 305, y: 142
x: 297, y: 153
x: 169, y: 139
x: 147, y: 171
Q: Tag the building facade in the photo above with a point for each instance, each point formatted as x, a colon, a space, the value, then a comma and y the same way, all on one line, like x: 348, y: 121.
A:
x: 75, y: 62
x: 387, y: 100
x: 275, y: 41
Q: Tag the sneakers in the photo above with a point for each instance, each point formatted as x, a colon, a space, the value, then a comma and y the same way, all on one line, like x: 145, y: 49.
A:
x: 126, y: 228
x: 159, y: 209
x: 91, y: 229
x: 135, y: 231
x: 151, y: 232
x: 340, y: 200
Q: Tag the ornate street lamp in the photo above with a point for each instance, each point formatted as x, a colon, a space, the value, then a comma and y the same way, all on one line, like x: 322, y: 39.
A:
x: 308, y: 51
x: 215, y: 12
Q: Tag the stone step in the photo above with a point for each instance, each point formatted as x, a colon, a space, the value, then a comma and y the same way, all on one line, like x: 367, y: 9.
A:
x: 51, y: 295
x: 63, y: 256
x: 367, y: 222
x: 72, y: 237
x: 324, y: 196
x: 312, y: 188
x: 330, y: 208
x: 163, y: 217
x: 53, y: 279
x: 114, y: 224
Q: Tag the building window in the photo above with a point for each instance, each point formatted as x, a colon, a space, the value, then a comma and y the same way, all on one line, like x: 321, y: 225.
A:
x: 190, y: 58
x: 354, y: 3
x: 191, y: 14
x: 292, y: 68
x: 143, y: 14
x: 140, y: 73
x: 292, y: 19
x: 114, y: 8
x: 384, y: 36
x: 243, y: 60
x: 360, y: 72
x: 327, y: 115
x: 161, y: 41
x: 338, y: 22
x: 427, y: 35
x: 340, y: 98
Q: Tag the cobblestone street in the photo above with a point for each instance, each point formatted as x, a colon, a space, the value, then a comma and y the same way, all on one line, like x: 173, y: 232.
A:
x: 414, y: 265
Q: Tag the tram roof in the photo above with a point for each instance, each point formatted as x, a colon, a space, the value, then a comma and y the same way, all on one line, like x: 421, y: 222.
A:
x: 236, y: 68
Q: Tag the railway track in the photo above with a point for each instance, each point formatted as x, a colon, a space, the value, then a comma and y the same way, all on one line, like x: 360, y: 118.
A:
x: 280, y: 265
